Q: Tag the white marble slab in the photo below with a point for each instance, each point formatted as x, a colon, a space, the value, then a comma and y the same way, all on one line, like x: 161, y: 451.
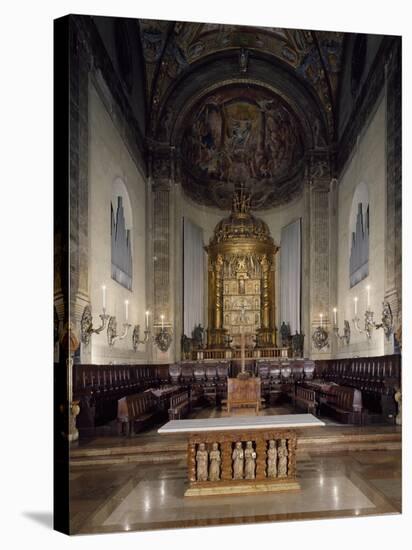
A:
x: 240, y: 423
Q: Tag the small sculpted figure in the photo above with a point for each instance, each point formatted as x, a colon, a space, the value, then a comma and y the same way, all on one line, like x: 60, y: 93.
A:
x: 201, y: 460
x: 214, y: 469
x: 272, y: 458
x: 238, y: 461
x: 250, y: 461
x: 283, y: 459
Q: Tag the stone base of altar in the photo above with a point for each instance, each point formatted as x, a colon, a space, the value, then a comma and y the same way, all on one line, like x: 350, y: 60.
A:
x: 243, y: 487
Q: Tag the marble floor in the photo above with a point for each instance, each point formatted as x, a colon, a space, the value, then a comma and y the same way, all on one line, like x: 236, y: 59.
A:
x: 146, y: 497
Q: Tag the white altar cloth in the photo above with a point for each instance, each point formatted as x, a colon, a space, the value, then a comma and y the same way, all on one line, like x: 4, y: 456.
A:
x: 240, y: 423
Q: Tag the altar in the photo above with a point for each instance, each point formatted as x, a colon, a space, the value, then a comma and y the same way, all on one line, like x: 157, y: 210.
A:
x: 241, y: 455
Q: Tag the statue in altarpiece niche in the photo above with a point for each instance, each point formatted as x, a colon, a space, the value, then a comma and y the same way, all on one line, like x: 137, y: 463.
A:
x: 202, y: 463
x: 297, y: 344
x: 186, y: 345
x: 197, y: 335
x: 250, y: 461
x: 285, y: 334
x: 272, y: 454
x: 214, y: 469
x: 238, y: 457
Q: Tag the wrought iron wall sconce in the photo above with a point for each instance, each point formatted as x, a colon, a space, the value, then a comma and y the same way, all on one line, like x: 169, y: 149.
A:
x: 86, y: 324
x: 136, y: 342
x: 368, y: 325
x: 386, y: 324
x: 387, y: 319
x: 345, y: 337
x: 112, y: 335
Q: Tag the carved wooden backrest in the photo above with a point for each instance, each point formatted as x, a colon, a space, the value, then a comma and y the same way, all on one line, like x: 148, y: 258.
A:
x: 175, y: 372
x: 199, y: 372
x: 222, y: 371
x: 211, y: 372
x: 243, y: 391
x: 187, y: 372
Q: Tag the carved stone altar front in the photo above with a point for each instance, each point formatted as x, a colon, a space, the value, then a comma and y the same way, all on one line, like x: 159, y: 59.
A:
x: 243, y: 454
x: 246, y: 462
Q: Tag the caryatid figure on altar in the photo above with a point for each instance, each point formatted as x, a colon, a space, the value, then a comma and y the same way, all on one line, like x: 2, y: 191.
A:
x: 283, y: 459
x: 201, y: 460
x: 272, y: 458
x: 214, y: 469
x: 238, y: 461
x: 250, y: 461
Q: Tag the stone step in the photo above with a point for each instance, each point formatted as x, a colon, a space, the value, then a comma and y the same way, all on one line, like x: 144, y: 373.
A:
x: 110, y: 460
x: 161, y: 452
x: 131, y: 448
x: 351, y: 446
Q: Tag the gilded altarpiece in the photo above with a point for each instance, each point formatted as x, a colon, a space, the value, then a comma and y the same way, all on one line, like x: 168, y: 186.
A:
x: 241, y: 279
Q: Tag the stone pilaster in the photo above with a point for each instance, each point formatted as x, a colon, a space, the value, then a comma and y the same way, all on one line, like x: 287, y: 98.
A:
x: 393, y: 237
x: 78, y: 182
x: 320, y: 254
x: 163, y: 204
x: 333, y: 264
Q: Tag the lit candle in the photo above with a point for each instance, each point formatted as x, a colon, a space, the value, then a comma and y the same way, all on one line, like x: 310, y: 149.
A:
x: 368, y: 294
x: 321, y: 319
x: 104, y: 296
x: 163, y: 319
x: 126, y: 309
x: 355, y: 301
x: 147, y: 320
x: 334, y: 315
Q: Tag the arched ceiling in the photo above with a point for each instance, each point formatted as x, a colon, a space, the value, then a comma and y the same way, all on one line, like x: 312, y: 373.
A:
x: 241, y: 102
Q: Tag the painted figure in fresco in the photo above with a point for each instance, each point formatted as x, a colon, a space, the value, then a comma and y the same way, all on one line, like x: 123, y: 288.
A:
x: 240, y: 134
x: 214, y: 469
x: 250, y: 461
x: 283, y: 459
x: 238, y: 456
x: 272, y: 454
x: 201, y: 461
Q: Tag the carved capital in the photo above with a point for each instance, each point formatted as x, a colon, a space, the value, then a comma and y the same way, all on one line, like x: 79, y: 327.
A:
x: 319, y: 171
